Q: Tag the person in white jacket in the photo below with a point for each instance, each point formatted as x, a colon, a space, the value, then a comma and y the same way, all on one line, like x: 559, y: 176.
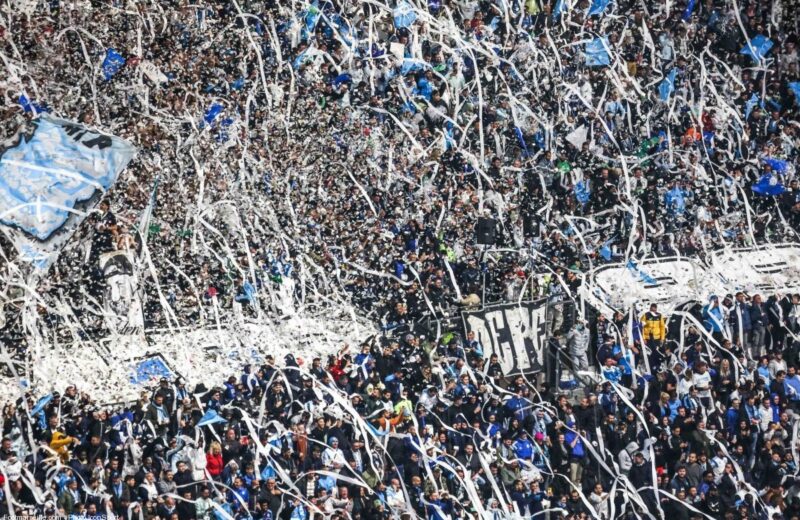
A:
x: 333, y: 457
x: 625, y: 457
x: 765, y: 415
x: 578, y: 345
x: 599, y: 500
x: 204, y: 507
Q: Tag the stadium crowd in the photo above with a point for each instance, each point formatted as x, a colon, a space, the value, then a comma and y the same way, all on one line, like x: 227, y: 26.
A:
x: 413, y: 428
x: 352, y: 147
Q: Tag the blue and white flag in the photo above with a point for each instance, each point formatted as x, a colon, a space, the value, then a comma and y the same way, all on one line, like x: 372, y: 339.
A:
x: 768, y: 185
x: 750, y: 105
x: 794, y: 86
x: 778, y: 165
x: 639, y: 274
x: 149, y: 369
x: 449, y: 138
x: 522, y: 143
x: 30, y: 106
x: 598, y: 6
x: 47, y: 173
x: 112, y: 63
x: 758, y: 47
x: 411, y: 65
x: 596, y: 52
x: 40, y: 404
x: 404, y: 15
x: 605, y: 250
x: 582, y: 192
x: 561, y: 7
x: 687, y: 13
x: 675, y: 201
x: 298, y: 61
x: 210, y: 417
x: 212, y: 112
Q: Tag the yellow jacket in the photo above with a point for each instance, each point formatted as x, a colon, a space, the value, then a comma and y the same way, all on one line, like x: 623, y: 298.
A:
x: 653, y: 326
x: 60, y: 444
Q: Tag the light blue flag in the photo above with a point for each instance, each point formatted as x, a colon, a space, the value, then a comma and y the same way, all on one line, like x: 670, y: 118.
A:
x: 449, y: 139
x: 675, y: 201
x: 561, y: 6
x: 404, y: 15
x: 598, y: 6
x: 596, y: 52
x: 639, y: 274
x: 150, y: 369
x: 210, y: 417
x: 794, y: 86
x: 46, y: 174
x: 667, y: 87
x: 750, y: 105
x: 298, y: 61
x: 758, y: 47
x: 411, y: 65
x: 605, y: 250
x: 40, y: 404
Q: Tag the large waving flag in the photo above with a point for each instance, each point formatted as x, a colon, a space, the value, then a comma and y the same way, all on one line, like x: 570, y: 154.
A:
x: 44, y: 175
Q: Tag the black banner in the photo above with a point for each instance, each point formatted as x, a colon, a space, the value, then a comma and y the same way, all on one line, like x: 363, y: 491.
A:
x: 516, y: 332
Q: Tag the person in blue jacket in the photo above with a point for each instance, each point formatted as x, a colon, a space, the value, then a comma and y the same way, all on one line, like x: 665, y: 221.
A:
x: 523, y: 447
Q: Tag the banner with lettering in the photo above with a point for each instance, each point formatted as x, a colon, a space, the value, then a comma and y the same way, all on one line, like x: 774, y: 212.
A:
x: 516, y: 332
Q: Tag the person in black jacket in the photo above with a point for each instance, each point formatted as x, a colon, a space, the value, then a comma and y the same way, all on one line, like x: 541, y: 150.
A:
x: 560, y: 454
x: 183, y: 477
x: 758, y: 322
x: 727, y: 487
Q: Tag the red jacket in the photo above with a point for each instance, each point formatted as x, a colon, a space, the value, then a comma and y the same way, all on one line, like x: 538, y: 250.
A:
x: 214, y: 464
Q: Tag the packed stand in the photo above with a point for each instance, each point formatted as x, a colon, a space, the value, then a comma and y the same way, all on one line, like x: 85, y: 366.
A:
x: 351, y: 147
x: 355, y: 145
x: 678, y: 426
